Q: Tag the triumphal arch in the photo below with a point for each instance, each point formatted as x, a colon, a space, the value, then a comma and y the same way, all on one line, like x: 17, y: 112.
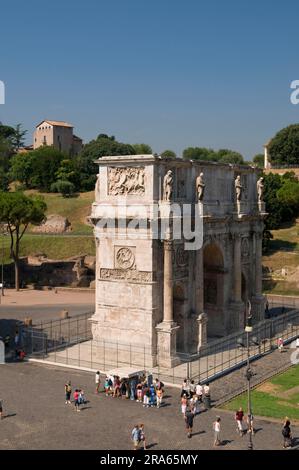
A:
x: 179, y: 249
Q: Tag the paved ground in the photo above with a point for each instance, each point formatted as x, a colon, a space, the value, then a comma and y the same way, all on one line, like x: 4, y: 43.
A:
x: 39, y: 419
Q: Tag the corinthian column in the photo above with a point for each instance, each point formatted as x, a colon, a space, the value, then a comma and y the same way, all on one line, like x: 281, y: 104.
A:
x: 258, y: 264
x: 237, y: 269
x: 168, y: 282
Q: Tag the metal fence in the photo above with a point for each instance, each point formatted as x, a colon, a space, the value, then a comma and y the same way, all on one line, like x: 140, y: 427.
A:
x: 225, y: 354
x: 70, y: 342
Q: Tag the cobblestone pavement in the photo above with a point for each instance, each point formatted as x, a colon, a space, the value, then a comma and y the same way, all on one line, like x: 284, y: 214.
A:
x: 33, y: 398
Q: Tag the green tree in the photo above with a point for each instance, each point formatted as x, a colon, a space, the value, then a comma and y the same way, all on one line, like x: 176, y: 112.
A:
x: 68, y: 172
x: 22, y: 168
x: 45, y: 162
x: 229, y: 156
x: 288, y: 195
x: 168, y: 154
x: 142, y: 149
x: 18, y: 137
x: 6, y: 132
x: 279, y: 211
x: 200, y: 153
x: 66, y: 188
x: 259, y: 160
x: 5, y: 157
x: 17, y: 211
x: 284, y: 147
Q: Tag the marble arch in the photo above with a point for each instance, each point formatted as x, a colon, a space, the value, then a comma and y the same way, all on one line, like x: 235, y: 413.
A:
x: 150, y: 292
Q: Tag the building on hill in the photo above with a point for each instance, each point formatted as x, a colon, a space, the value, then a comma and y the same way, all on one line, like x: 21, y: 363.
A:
x: 59, y: 134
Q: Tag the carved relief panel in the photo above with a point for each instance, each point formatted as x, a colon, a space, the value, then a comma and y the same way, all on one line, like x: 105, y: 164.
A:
x: 123, y: 181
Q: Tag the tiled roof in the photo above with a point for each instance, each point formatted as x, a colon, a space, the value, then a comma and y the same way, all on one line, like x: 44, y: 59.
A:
x: 56, y: 123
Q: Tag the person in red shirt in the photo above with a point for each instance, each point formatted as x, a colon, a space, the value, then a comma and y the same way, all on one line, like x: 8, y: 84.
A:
x: 239, y: 420
x: 76, y: 399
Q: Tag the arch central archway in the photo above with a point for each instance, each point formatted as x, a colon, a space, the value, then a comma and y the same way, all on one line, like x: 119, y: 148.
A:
x: 213, y: 262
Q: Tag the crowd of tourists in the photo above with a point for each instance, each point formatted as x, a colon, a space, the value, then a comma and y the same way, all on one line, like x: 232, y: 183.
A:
x: 140, y: 389
x: 194, y: 399
x: 195, y: 396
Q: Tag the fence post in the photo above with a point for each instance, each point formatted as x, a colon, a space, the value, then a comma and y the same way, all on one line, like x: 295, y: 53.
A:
x: 79, y: 354
x: 130, y: 355
x: 104, y: 355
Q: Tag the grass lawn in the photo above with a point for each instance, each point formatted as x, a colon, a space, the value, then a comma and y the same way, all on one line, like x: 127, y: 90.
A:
x: 276, y: 398
x: 57, y: 247
x: 75, y: 209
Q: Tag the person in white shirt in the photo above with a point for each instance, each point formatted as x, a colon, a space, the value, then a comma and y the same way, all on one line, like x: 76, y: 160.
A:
x: 98, y: 381
x: 206, y: 396
x: 199, y: 392
x: 217, y: 427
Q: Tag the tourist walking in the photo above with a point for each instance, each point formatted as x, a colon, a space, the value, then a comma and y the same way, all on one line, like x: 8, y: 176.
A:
x: 159, y: 394
x: 192, y: 388
x: 146, y: 396
x: 280, y: 344
x: 139, y: 389
x: 185, y: 388
x: 217, y: 428
x: 142, y: 435
x: 1, y: 408
x: 199, y: 392
x: 207, y: 396
x: 98, y: 381
x: 239, y: 420
x: 152, y: 399
x: 184, y: 403
x: 76, y: 400
x: 287, y: 434
x: 250, y: 427
x: 189, y: 417
x: 68, y: 392
x: 135, y: 435
x: 81, y: 399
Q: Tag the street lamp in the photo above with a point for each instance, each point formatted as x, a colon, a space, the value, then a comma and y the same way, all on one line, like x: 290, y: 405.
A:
x: 248, y: 375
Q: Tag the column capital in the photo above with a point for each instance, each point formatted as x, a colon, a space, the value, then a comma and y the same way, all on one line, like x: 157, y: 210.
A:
x: 168, y: 245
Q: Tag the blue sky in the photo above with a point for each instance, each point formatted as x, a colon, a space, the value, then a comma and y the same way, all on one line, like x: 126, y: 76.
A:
x: 170, y: 73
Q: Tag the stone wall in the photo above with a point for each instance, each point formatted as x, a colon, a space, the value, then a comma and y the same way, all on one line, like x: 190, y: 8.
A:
x: 77, y: 272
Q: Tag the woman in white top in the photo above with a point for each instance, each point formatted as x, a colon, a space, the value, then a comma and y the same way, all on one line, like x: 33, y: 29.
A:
x: 199, y: 391
x: 216, y: 427
x: 98, y: 381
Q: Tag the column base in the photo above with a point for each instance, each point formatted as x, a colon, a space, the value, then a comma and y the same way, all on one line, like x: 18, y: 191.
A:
x: 237, y: 317
x: 166, y: 350
x: 258, y: 307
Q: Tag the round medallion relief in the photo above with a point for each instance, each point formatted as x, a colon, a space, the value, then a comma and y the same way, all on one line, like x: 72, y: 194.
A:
x: 125, y: 258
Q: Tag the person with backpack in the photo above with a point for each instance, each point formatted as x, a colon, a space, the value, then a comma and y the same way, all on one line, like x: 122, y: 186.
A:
x: 76, y: 400
x: 189, y: 417
x: 152, y: 400
x: 142, y: 436
x: 287, y: 434
x: 135, y: 435
x: 68, y: 392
